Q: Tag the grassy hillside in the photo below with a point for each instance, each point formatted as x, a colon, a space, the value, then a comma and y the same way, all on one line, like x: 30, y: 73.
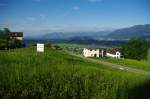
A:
x: 143, y: 64
x: 57, y: 75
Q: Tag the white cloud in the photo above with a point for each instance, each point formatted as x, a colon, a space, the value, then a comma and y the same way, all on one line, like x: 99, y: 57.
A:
x: 76, y: 8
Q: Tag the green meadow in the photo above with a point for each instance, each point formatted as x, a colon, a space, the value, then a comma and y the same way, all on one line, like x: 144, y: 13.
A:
x: 65, y: 45
x: 55, y: 74
x: 143, y: 64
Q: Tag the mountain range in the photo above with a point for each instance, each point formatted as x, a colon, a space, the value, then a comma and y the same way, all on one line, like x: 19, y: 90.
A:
x: 142, y: 31
x: 118, y: 34
x: 69, y: 35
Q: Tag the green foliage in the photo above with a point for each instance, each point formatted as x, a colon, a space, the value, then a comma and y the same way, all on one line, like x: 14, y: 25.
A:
x: 57, y: 47
x: 55, y: 74
x: 48, y: 44
x: 136, y: 48
x: 3, y: 39
x: 31, y: 44
x: 149, y: 54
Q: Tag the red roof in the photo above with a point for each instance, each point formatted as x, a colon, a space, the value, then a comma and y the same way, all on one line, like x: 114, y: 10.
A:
x: 113, y: 50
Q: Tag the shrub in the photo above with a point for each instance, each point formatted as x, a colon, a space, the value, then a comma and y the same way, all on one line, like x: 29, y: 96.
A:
x: 136, y: 48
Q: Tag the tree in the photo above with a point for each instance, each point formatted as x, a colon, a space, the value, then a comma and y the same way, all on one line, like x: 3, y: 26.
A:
x: 48, y: 44
x: 136, y: 48
x: 3, y: 39
x: 6, y: 31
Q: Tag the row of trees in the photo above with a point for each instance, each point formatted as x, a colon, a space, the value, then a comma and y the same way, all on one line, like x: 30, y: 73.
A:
x: 6, y: 42
x: 136, y: 48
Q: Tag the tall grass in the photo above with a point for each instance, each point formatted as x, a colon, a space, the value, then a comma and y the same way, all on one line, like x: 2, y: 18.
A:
x: 143, y: 64
x: 58, y: 75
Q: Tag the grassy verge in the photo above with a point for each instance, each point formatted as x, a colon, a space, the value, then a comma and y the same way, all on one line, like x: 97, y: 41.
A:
x: 57, y: 75
x: 144, y: 64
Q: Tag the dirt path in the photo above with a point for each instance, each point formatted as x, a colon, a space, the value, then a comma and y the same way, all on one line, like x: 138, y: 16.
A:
x: 123, y: 68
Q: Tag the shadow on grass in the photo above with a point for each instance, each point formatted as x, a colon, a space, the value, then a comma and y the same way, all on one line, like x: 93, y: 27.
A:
x: 140, y: 91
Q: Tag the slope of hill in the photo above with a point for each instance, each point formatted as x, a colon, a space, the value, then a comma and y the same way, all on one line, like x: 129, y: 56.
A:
x: 56, y: 74
x: 134, y: 31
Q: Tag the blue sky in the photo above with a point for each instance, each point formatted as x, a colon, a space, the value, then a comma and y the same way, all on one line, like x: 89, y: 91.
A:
x: 43, y: 16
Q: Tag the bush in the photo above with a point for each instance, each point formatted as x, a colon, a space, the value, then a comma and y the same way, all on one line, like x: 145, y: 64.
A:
x: 136, y: 48
x: 31, y: 45
x: 49, y: 45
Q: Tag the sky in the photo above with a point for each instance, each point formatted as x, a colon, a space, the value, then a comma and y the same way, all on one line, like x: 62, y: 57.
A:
x: 45, y: 16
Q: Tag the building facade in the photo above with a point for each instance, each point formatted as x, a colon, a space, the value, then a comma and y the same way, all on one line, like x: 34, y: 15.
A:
x: 90, y: 52
x: 16, y: 35
x: 112, y: 53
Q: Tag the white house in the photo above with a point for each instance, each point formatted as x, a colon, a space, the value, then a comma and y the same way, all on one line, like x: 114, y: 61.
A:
x: 90, y: 52
x: 16, y: 35
x: 114, y: 55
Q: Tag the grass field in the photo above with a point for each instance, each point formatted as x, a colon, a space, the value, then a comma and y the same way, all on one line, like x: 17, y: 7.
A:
x: 82, y: 46
x: 57, y: 75
x: 143, y: 64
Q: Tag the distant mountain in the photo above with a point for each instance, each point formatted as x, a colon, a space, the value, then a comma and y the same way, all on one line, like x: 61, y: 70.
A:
x: 68, y: 35
x: 89, y: 40
x: 134, y: 31
x: 78, y: 40
x: 118, y: 34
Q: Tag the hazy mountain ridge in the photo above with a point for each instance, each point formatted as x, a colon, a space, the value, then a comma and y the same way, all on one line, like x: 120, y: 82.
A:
x: 66, y: 35
x: 134, y: 31
x: 118, y: 34
x: 69, y: 35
